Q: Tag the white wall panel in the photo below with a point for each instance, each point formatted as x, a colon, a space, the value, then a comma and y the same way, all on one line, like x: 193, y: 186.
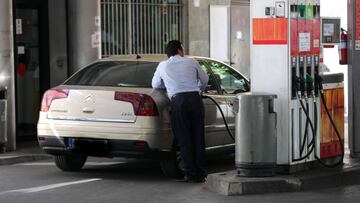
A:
x: 219, y: 32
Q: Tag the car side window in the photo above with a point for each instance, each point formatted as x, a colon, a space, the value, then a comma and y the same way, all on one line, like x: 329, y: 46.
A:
x: 212, y: 87
x: 231, y: 82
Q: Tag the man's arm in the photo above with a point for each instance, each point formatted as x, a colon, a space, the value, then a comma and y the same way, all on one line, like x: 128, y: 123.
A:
x: 157, y: 82
x: 202, y: 77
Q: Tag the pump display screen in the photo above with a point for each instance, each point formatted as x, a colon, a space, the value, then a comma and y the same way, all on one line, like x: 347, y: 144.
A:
x: 330, y: 34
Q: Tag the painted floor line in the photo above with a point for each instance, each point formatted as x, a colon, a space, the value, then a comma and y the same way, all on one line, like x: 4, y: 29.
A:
x: 53, y: 164
x: 8, y: 157
x: 50, y: 187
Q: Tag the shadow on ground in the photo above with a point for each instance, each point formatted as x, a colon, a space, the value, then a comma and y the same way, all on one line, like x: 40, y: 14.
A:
x: 144, y: 170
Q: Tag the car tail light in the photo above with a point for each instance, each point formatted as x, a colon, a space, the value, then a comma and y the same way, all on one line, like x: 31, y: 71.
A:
x: 41, y: 138
x: 143, y: 104
x: 50, y: 96
x: 140, y: 144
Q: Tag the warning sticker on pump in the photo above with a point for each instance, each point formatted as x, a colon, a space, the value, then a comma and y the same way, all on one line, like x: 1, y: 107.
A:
x: 304, y: 42
x: 316, y: 43
x: 357, y: 44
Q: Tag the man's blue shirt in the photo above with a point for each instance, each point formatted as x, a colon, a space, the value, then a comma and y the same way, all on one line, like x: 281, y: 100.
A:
x: 180, y: 74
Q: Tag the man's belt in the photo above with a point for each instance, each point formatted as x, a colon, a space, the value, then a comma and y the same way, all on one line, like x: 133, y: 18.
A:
x: 185, y: 94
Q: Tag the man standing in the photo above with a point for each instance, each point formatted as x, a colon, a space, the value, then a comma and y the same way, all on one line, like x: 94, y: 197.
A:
x: 184, y: 80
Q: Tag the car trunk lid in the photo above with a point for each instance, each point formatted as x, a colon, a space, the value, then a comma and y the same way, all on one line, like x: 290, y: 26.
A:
x: 102, y: 106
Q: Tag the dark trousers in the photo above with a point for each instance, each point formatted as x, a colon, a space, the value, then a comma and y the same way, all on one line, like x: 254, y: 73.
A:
x: 187, y: 120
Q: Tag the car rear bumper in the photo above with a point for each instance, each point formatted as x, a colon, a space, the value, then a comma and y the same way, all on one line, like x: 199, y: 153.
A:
x: 157, y: 136
x: 100, y: 147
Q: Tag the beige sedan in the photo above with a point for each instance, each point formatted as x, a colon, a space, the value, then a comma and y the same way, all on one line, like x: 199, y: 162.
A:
x: 108, y: 109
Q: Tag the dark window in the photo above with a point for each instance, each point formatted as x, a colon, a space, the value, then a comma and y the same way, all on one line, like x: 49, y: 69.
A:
x: 116, y: 74
x: 211, y: 87
x: 231, y: 82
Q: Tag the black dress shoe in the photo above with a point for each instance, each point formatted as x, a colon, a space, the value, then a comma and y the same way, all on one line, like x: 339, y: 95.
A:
x: 184, y: 179
x: 187, y: 179
x: 199, y: 179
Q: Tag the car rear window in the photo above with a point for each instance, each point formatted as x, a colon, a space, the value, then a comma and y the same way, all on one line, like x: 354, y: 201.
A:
x: 115, y: 73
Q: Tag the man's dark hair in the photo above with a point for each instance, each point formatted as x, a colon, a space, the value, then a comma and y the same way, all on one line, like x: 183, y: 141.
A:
x: 172, y: 48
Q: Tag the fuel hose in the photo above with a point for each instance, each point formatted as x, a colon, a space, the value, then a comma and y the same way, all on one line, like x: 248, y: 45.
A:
x: 341, y: 160
x: 222, y: 114
x: 314, y: 128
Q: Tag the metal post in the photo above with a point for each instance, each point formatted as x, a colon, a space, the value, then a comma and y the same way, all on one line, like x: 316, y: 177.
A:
x: 157, y: 28
x: 129, y: 20
x: 113, y: 31
x: 108, y: 34
x: 7, y: 67
x: 125, y: 27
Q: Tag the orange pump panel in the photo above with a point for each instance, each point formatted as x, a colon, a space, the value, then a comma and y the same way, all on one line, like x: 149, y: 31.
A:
x: 270, y: 31
x: 329, y: 143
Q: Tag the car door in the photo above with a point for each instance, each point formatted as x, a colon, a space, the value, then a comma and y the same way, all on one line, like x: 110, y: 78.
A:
x: 231, y: 83
x: 214, y: 125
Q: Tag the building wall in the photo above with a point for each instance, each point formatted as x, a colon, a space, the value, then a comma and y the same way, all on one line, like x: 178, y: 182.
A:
x: 240, y: 44
x: 198, y: 26
x: 7, y: 67
x: 197, y: 31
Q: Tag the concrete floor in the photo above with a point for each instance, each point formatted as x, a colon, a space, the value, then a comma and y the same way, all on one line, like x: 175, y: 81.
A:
x: 120, y: 180
x: 123, y: 180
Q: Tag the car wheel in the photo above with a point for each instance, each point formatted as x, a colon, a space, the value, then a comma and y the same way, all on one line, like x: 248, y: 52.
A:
x: 70, y: 162
x: 173, y: 167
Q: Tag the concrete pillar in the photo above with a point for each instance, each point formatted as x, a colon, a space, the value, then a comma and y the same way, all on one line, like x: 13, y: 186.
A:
x: 83, y: 32
x: 7, y: 67
x: 354, y: 82
x: 57, y: 42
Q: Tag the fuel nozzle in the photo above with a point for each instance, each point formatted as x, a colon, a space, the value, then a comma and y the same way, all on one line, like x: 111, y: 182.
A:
x: 302, y: 84
x: 318, y: 84
x: 309, y: 80
x: 296, y: 87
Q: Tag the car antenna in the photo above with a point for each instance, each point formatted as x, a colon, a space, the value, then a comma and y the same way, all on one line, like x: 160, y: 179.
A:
x: 138, y: 56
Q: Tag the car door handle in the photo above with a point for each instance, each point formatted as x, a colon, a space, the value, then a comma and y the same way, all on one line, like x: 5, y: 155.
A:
x: 88, y: 110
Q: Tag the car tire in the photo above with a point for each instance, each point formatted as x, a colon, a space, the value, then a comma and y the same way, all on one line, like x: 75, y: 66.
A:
x: 70, y: 162
x: 173, y: 167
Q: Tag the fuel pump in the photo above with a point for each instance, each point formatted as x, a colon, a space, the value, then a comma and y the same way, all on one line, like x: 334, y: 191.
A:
x: 285, y: 60
x: 314, y: 87
x: 314, y: 126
